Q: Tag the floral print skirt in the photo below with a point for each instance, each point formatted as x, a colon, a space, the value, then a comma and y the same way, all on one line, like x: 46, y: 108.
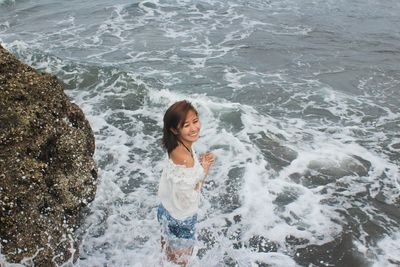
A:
x: 177, y: 233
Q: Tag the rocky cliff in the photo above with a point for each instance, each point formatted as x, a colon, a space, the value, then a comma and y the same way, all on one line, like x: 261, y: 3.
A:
x: 47, y: 171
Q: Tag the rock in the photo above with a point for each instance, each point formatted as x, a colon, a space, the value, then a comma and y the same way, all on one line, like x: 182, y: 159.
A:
x: 339, y: 252
x: 47, y: 171
x: 262, y: 244
x: 277, y: 155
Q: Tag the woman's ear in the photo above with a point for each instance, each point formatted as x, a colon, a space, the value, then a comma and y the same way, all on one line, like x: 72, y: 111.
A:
x: 174, y: 131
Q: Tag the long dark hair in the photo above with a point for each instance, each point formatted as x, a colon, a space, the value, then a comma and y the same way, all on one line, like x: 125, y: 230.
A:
x: 174, y: 118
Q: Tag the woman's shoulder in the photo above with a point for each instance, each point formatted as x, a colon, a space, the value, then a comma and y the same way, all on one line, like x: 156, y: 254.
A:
x: 181, y: 157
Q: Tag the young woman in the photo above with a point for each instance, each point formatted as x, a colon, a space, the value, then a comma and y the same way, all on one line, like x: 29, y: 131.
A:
x: 181, y: 180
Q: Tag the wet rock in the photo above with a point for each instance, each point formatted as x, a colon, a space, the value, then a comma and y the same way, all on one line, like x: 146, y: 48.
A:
x: 231, y: 198
x: 391, y: 210
x: 262, y: 244
x: 231, y: 120
x: 228, y: 261
x: 278, y: 155
x: 395, y: 146
x: 208, y: 238
x: 320, y: 112
x: 339, y: 252
x: 296, y: 241
x: 47, y: 173
x: 284, y: 198
x: 325, y: 171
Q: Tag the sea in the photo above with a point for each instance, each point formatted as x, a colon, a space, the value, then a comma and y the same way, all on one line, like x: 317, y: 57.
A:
x: 298, y: 100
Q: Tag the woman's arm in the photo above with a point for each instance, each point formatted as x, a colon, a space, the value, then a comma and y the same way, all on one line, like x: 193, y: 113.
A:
x: 206, y: 161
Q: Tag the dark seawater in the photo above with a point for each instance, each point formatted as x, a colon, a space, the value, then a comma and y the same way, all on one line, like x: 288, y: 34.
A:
x: 299, y: 100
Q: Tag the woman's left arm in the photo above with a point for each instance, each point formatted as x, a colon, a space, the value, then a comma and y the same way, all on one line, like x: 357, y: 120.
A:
x: 206, y: 161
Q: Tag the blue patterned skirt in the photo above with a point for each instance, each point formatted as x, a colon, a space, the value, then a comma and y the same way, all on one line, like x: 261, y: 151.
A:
x: 177, y: 233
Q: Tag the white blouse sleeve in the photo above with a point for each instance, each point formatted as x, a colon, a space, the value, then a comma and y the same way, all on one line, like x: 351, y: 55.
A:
x: 184, y: 181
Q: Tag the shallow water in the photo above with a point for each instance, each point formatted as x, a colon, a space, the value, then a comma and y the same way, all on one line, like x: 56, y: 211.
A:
x: 298, y: 100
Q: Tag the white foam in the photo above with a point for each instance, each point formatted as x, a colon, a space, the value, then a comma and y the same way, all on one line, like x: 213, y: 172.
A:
x: 259, y: 186
x: 388, y: 251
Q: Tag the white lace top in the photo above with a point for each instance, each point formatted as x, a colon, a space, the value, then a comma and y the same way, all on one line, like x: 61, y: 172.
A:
x: 177, y: 188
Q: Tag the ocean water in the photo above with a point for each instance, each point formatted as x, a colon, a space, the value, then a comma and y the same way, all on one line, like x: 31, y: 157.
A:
x: 299, y: 101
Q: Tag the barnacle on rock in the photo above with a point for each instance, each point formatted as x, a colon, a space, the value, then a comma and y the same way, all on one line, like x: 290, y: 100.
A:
x: 46, y: 165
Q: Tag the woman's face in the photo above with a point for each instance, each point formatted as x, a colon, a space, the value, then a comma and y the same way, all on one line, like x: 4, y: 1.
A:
x: 190, y: 131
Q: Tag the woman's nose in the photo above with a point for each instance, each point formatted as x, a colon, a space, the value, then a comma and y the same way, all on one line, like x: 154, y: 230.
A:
x: 193, y: 127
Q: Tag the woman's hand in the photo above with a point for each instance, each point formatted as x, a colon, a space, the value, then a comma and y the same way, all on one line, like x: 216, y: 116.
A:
x: 206, y: 161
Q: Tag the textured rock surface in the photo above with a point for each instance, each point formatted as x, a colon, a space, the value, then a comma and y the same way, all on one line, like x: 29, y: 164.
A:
x: 47, y: 173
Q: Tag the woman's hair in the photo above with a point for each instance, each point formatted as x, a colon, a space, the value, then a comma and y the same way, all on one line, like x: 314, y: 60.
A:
x: 174, y: 118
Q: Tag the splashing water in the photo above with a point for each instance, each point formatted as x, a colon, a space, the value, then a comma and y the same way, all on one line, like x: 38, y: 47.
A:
x: 298, y: 101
